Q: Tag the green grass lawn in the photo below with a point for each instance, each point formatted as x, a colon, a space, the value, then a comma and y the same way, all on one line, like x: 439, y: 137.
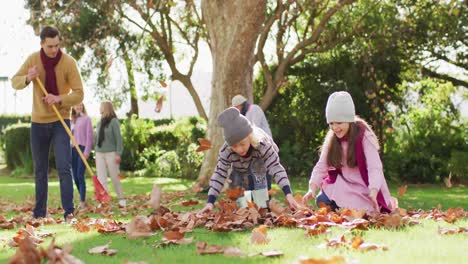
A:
x: 417, y: 244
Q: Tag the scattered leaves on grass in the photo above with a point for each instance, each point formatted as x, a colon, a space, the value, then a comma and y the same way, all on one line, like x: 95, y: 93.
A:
x: 356, y: 243
x: 453, y: 231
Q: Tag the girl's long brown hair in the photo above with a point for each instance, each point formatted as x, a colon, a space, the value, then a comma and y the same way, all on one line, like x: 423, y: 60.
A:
x: 74, y: 113
x: 333, y: 146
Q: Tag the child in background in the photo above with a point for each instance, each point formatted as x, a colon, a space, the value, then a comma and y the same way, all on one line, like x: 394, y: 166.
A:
x: 109, y: 149
x: 349, y: 171
x: 82, y: 130
x: 252, y: 154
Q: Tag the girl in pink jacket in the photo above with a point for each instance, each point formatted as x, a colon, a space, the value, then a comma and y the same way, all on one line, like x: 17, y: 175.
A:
x: 349, y: 171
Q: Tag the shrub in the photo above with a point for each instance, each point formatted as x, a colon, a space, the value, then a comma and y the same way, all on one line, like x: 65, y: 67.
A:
x: 427, y: 132
x: 17, y: 145
x: 150, y: 150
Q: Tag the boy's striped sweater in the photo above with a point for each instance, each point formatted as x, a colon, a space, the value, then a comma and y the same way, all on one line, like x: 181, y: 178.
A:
x: 266, y: 151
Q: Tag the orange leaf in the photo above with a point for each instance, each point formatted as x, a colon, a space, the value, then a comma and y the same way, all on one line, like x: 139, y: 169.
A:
x: 173, y: 235
x: 262, y: 229
x: 189, y: 202
x: 333, y: 260
x: 163, y: 84
x: 356, y: 241
x: 275, y: 207
x: 235, y: 193
x: 272, y: 192
x: 258, y: 237
x: 402, y: 190
x: 205, y: 144
x: 159, y: 104
x: 27, y: 252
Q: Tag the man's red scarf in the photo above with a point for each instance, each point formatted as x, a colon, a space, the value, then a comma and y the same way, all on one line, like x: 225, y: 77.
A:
x: 49, y: 66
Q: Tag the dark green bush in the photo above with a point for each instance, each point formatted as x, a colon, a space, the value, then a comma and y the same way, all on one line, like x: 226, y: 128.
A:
x: 166, y: 150
x: 17, y: 145
x: 427, y: 131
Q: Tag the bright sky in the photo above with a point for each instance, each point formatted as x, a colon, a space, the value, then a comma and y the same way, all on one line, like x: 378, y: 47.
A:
x: 19, y: 41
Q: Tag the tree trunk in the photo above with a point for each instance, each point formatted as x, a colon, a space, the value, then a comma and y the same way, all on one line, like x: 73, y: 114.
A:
x: 131, y: 86
x: 233, y: 28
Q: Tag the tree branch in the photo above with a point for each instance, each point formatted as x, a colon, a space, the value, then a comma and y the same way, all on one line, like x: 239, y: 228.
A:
x: 428, y: 72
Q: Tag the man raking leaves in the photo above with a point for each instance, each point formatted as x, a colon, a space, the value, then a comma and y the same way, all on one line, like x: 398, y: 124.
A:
x: 64, y: 88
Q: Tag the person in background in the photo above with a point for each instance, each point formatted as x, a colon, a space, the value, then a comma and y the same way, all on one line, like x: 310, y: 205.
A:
x: 253, y: 112
x: 82, y: 130
x: 61, y: 77
x: 109, y: 149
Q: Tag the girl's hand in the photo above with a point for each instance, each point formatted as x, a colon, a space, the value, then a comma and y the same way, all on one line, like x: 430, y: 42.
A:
x: 292, y: 202
x: 310, y: 194
x: 118, y: 159
x: 373, y: 196
x: 208, y: 208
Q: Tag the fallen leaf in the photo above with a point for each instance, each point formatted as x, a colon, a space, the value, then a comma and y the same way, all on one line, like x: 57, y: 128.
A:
x: 452, y: 231
x: 139, y: 227
x: 259, y: 238
x: 182, y: 241
x: 159, y: 104
x: 275, y: 207
x: 205, y: 144
x: 103, y: 250
x: 189, y: 202
x: 316, y: 229
x: 368, y: 247
x: 356, y: 241
x: 333, y: 260
x: 402, y: 191
x: 173, y: 235
x: 202, y: 249
x: 26, y: 252
x: 155, y: 197
x: 56, y: 255
x: 163, y: 84
x: 234, y: 193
